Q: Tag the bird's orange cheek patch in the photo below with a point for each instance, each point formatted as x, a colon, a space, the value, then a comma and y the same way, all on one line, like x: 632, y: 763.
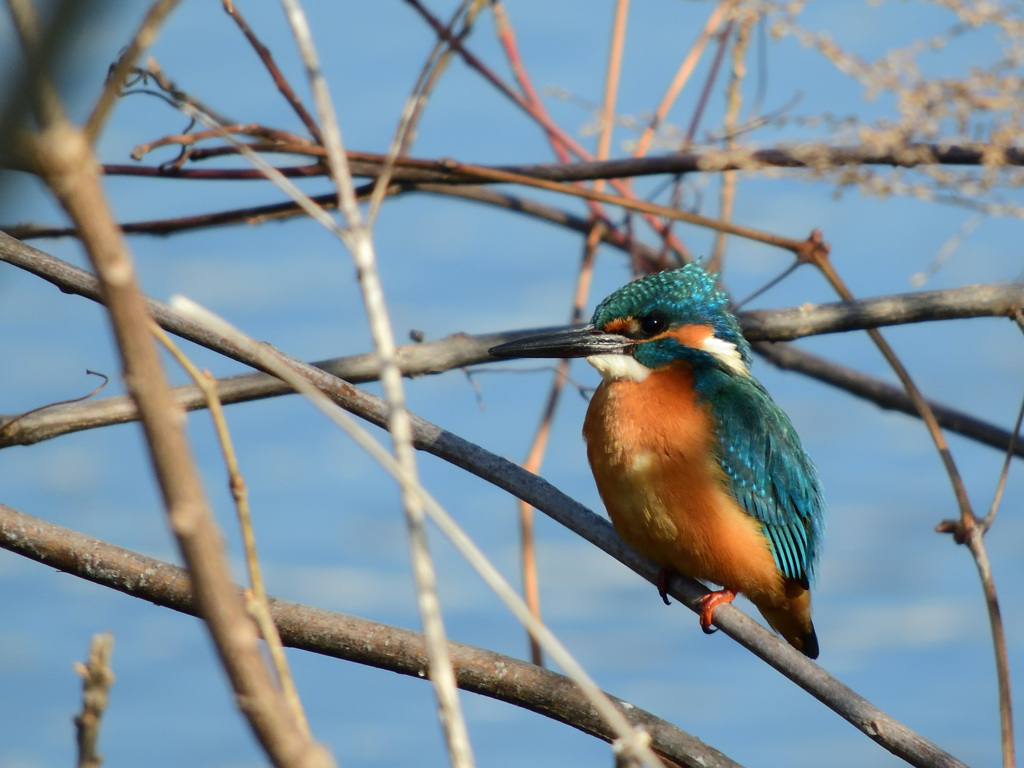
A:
x: 691, y: 335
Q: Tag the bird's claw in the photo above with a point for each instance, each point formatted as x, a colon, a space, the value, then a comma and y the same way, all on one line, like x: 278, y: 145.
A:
x: 708, y: 603
x: 662, y: 583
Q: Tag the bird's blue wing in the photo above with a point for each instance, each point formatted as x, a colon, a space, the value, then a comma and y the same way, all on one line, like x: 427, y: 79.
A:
x: 769, y: 474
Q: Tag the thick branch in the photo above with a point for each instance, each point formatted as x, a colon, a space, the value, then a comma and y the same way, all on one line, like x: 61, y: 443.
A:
x: 65, y: 162
x: 995, y: 299
x: 883, y: 394
x: 818, y: 157
x: 345, y: 637
x: 462, y: 349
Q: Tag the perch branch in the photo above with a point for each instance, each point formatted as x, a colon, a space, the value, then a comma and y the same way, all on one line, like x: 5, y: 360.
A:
x: 461, y: 350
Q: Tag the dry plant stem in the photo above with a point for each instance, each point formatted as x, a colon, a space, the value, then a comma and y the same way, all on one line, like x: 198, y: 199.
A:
x: 436, y: 64
x: 538, y: 115
x: 97, y: 678
x: 976, y: 544
x: 143, y: 39
x: 535, y: 456
x: 734, y: 100
x: 280, y: 81
x: 358, y: 240
x: 293, y: 374
x: 507, y: 38
x: 991, y: 516
x: 62, y: 157
x: 611, y: 81
x: 817, y: 157
x: 490, y: 174
x: 968, y: 530
x: 345, y: 637
x: 70, y: 171
x: 257, y: 601
x: 682, y: 76
x: 274, y: 140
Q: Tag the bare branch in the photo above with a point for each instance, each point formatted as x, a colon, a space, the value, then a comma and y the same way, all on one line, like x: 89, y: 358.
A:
x: 541, y: 495
x: 357, y: 237
x: 462, y: 349
x: 62, y: 157
x: 346, y: 637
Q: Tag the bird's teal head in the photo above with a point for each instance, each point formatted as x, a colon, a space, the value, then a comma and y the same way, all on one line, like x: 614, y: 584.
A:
x: 678, y: 315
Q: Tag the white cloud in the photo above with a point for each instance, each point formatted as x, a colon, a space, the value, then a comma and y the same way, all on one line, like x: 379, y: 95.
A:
x: 930, y: 622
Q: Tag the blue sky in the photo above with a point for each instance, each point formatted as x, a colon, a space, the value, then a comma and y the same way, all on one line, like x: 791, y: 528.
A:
x: 898, y: 608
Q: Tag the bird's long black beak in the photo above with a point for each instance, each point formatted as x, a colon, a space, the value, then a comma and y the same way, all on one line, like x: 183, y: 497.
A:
x: 574, y: 341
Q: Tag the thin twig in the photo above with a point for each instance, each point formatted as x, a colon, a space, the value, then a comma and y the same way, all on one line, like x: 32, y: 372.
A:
x: 968, y: 530
x: 430, y: 73
x: 506, y: 36
x: 734, y: 101
x: 257, y: 601
x: 143, y: 38
x: 97, y: 679
x: 280, y: 81
x: 62, y: 156
x: 8, y: 423
x: 1001, y: 485
x: 359, y: 242
x: 681, y: 77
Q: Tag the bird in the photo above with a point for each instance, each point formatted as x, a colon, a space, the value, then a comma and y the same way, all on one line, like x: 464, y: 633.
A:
x: 697, y: 466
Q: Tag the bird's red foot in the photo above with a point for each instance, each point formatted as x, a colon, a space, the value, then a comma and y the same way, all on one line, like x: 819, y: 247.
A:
x: 708, y: 603
x: 662, y: 583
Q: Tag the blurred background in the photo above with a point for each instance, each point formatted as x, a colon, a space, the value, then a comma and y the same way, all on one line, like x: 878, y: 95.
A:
x: 898, y: 608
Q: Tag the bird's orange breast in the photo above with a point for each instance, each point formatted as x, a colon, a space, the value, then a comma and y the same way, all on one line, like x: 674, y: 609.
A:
x: 651, y: 447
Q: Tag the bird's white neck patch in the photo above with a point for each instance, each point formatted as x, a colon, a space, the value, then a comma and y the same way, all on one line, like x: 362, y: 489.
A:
x: 726, y: 352
x: 626, y: 367
x: 619, y: 367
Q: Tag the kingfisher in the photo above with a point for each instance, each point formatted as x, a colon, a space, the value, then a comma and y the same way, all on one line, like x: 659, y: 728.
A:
x: 697, y: 466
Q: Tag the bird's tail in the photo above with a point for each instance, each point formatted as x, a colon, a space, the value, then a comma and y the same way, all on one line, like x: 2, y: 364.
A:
x: 792, y: 619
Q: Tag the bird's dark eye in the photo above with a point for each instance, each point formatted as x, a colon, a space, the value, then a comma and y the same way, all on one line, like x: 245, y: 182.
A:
x: 652, y: 325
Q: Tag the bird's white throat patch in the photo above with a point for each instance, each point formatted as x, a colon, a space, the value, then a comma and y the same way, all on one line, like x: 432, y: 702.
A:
x: 619, y: 367
x: 726, y: 352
